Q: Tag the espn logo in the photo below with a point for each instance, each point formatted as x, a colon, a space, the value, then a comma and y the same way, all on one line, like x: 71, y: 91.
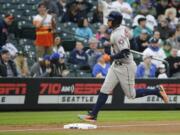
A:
x: 13, y: 89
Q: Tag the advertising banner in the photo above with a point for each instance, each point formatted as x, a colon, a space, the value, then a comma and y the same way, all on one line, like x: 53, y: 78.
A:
x: 12, y: 93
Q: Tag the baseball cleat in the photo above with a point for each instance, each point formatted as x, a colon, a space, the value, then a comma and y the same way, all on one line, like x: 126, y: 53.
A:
x: 163, y: 94
x: 88, y: 118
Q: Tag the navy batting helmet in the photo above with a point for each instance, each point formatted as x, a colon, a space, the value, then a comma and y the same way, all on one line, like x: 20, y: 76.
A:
x: 115, y: 17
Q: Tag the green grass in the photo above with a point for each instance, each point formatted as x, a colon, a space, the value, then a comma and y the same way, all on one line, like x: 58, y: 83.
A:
x: 30, y: 118
x: 62, y: 117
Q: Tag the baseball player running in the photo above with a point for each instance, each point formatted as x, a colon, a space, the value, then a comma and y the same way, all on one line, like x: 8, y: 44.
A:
x: 122, y: 69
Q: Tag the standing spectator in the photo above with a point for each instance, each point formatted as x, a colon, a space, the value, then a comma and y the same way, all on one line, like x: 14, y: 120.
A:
x: 59, y: 66
x: 57, y: 46
x: 163, y: 27
x: 161, y: 7
x: 155, y: 51
x: 22, y: 64
x: 62, y: 7
x: 100, y: 70
x: 140, y: 43
x: 92, y: 52
x: 7, y: 66
x: 170, y: 14
x: 174, y: 63
x: 78, y: 55
x: 83, y: 31
x: 140, y: 27
x: 44, y: 31
x: 42, y: 68
x: 4, y: 23
x: 146, y: 69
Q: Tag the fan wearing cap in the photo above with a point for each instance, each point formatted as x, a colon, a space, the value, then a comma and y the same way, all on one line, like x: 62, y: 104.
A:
x: 155, y: 51
x: 7, y: 66
x: 146, y: 69
x: 59, y: 66
x: 162, y: 71
x: 42, y: 68
x: 4, y: 23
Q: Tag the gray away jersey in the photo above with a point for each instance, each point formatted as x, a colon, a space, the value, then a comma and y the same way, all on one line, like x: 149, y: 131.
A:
x: 120, y: 41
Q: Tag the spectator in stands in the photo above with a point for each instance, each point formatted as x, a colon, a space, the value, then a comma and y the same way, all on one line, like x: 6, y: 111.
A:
x: 12, y: 49
x: 118, y: 5
x: 92, y: 52
x: 170, y: 14
x: 52, y: 7
x: 97, y: 15
x: 167, y: 48
x: 44, y: 31
x: 59, y: 66
x: 155, y: 51
x: 140, y: 27
x: 140, y: 43
x: 125, y: 9
x: 4, y: 23
x: 175, y: 4
x: 104, y: 43
x: 57, y: 46
x: 76, y: 10
x: 161, y: 7
x: 7, y: 66
x: 100, y: 70
x: 107, y: 7
x: 162, y: 72
x: 151, y: 22
x: 177, y: 34
x: 78, y: 55
x: 101, y: 32
x: 146, y: 69
x: 172, y: 38
x: 42, y: 68
x: 22, y: 64
x: 83, y: 32
x: 174, y: 63
x: 163, y: 27
x: 144, y: 7
x: 62, y: 7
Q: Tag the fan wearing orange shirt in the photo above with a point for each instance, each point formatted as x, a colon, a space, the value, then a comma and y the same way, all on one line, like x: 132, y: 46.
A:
x: 44, y: 31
